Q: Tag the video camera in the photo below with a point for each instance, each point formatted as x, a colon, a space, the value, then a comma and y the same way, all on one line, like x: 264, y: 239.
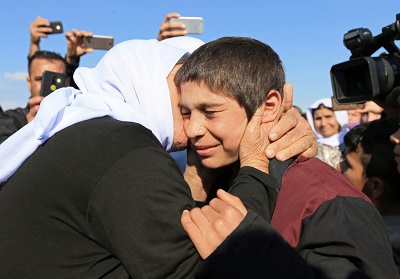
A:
x: 364, y: 78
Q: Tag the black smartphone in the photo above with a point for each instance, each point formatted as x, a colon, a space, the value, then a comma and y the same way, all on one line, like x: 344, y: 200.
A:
x: 56, y: 26
x: 98, y: 42
x: 51, y: 81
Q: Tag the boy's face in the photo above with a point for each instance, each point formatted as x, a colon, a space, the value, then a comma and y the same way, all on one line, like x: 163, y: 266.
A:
x: 213, y: 123
x: 352, y: 168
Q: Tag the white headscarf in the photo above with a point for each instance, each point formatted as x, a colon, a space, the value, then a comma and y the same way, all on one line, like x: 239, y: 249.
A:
x: 341, y: 117
x: 128, y: 84
x: 187, y: 43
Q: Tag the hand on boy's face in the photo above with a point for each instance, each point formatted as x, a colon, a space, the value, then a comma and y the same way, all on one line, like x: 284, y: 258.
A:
x: 254, y: 143
x: 199, y: 177
x: 292, y: 135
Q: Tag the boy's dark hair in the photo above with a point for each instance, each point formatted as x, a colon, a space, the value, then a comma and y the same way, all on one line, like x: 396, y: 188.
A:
x: 42, y: 54
x: 372, y: 139
x: 238, y: 67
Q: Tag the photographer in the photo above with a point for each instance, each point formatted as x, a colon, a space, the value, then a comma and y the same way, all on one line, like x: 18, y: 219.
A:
x: 374, y: 80
x: 14, y: 119
x: 364, y: 78
x: 40, y: 28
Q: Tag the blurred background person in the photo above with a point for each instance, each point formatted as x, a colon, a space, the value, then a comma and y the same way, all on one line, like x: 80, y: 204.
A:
x: 14, y: 119
x: 354, y: 116
x: 40, y: 28
x: 369, y: 164
x: 39, y: 61
x: 329, y: 127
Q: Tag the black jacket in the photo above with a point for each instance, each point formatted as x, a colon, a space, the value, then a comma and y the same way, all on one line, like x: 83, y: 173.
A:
x: 102, y: 199
x: 11, y: 121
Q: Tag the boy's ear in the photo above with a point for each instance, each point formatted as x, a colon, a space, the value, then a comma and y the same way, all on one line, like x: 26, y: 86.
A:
x: 273, y: 106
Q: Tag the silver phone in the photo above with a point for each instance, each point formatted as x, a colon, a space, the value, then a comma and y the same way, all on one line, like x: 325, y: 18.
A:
x: 99, y: 42
x: 194, y: 25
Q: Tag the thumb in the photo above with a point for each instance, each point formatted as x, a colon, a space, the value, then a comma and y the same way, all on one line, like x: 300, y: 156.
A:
x: 232, y: 201
x: 257, y: 118
x: 288, y: 96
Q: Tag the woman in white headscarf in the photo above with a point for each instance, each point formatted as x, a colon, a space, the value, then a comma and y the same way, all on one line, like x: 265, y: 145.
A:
x: 330, y: 128
x: 91, y: 190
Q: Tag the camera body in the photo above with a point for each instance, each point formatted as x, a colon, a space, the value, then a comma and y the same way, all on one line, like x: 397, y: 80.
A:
x: 364, y: 78
x: 51, y: 81
x: 57, y: 27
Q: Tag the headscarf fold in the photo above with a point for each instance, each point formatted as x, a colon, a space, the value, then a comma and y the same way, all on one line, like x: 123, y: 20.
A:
x: 128, y: 84
x: 341, y: 116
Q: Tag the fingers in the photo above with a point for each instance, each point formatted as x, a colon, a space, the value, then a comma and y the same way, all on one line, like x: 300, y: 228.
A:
x: 254, y: 143
x: 395, y: 138
x: 231, y: 200
x: 191, y: 228
x: 32, y: 113
x: 288, y: 147
x: 171, y: 15
x: 288, y: 99
x: 171, y: 29
x: 224, y: 217
x: 39, y: 28
x: 293, y: 136
x: 34, y: 101
x: 200, y: 232
x: 287, y: 122
x: 255, y: 122
x: 209, y: 226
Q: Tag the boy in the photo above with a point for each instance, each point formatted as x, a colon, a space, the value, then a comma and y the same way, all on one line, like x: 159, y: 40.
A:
x: 369, y: 164
x: 222, y: 84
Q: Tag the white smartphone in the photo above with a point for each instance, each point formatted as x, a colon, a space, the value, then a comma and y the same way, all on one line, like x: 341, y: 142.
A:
x: 194, y: 25
x: 99, y: 42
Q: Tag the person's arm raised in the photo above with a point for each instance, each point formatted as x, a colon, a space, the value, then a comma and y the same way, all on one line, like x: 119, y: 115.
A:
x: 38, y: 29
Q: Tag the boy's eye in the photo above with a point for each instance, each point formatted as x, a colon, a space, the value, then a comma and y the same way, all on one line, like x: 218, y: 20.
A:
x: 209, y: 112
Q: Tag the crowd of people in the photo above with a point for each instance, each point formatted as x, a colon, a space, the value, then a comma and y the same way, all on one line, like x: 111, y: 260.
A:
x: 170, y: 159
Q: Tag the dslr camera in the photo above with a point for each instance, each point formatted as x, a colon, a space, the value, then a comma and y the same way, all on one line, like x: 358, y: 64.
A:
x: 364, y: 78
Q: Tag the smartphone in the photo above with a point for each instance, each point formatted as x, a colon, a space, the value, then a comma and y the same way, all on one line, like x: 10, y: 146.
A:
x: 194, y: 25
x: 57, y: 27
x: 51, y: 81
x: 337, y: 106
x: 99, y: 42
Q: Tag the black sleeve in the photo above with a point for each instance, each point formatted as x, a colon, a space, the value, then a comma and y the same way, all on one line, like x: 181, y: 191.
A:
x: 135, y: 213
x: 257, y: 190
x: 254, y: 250
x: 346, y: 238
x: 11, y: 121
x: 70, y: 70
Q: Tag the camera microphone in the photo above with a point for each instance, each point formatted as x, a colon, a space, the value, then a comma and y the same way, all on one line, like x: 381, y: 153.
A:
x: 393, y: 98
